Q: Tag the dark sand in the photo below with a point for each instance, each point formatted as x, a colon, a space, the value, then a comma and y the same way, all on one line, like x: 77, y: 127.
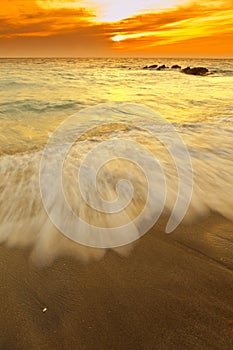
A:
x: 172, y: 292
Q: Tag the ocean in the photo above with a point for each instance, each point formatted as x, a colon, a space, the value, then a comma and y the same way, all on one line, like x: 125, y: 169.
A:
x: 125, y: 117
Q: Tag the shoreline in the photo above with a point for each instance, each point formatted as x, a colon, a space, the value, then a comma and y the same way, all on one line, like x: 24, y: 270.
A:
x: 171, y: 292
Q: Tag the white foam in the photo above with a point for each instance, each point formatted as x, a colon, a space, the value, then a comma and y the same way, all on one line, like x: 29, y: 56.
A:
x: 24, y: 221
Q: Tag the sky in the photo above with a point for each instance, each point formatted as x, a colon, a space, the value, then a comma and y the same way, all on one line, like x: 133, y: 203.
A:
x: 116, y: 28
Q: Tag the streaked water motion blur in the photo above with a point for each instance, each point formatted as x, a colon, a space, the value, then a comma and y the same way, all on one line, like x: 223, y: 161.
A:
x: 39, y: 94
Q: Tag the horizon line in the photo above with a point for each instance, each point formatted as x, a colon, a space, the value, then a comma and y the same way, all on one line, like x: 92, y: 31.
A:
x: 119, y: 57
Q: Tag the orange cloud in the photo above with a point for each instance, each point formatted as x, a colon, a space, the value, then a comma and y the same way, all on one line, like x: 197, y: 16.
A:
x: 71, y: 28
x: 35, y: 21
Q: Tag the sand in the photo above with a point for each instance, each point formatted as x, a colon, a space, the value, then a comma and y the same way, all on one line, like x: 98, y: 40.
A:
x: 172, y: 292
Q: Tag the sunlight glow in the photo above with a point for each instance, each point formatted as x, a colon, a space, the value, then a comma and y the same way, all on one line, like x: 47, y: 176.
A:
x: 116, y: 10
x: 118, y: 37
x: 181, y: 30
x: 132, y: 36
x: 116, y: 27
x: 113, y: 10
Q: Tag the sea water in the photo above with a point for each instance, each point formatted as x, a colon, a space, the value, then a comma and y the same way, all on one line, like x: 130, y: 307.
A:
x: 134, y: 131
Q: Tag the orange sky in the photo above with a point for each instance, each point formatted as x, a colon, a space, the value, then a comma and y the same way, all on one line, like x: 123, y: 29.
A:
x: 168, y: 28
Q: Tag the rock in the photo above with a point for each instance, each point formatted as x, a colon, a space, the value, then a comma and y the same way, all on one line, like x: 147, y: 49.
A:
x: 195, y: 70
x: 162, y: 67
x: 176, y: 66
x: 146, y: 67
x: 153, y: 66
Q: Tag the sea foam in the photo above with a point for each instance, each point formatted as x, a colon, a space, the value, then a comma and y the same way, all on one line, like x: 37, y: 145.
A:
x: 113, y: 176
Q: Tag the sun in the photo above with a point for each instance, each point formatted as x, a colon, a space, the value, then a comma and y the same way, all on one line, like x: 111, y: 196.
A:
x: 118, y: 38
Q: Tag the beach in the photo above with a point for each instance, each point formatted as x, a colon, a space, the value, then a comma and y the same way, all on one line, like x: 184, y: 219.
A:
x: 171, y: 292
x: 89, y: 146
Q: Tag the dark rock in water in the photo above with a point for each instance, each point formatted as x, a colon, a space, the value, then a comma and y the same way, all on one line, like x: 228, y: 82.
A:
x: 176, y: 66
x: 162, y: 67
x: 153, y: 66
x: 146, y: 67
x: 195, y: 70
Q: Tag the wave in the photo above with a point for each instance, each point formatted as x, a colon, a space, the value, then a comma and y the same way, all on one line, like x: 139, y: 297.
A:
x: 122, y: 165
x: 35, y: 106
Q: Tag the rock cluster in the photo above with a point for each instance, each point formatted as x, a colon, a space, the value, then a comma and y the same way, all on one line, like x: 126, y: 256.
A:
x: 187, y: 70
x: 195, y: 70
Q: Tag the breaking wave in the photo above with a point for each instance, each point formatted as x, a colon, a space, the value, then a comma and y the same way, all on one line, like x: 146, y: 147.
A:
x: 26, y: 223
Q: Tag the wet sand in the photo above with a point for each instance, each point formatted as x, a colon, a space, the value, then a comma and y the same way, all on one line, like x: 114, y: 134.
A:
x: 172, y: 292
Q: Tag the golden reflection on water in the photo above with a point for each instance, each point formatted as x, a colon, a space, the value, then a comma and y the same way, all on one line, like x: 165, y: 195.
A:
x: 40, y: 102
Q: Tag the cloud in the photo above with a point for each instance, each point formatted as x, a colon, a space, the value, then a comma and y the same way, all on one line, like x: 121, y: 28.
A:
x: 176, y: 30
x: 41, y: 22
x: 73, y: 30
